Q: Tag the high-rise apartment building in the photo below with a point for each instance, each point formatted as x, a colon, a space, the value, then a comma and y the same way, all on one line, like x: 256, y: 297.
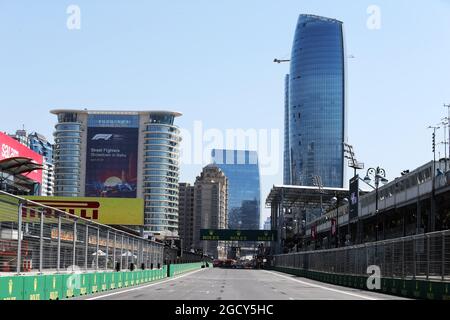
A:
x: 317, y: 103
x: 39, y: 144
x: 186, y: 215
x: 121, y: 154
x: 210, y: 209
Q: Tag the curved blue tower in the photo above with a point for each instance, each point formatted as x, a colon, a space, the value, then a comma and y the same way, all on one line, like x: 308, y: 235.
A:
x: 317, y: 102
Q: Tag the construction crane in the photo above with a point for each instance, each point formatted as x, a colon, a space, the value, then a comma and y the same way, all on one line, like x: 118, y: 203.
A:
x: 280, y: 61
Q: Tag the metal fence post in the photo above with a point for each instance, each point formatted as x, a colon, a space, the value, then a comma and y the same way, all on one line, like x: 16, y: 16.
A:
x: 443, y: 256
x: 121, y: 254
x: 74, y: 255
x: 19, y: 238
x: 58, y: 262
x: 97, y: 248
x: 428, y: 257
x: 86, y: 248
x: 107, y: 249
x: 127, y: 253
x: 41, y: 242
x: 403, y: 258
x: 114, y: 250
x: 414, y: 258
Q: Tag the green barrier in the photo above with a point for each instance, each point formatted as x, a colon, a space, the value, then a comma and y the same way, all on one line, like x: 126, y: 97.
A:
x: 83, y: 285
x: 34, y: 287
x: 119, y: 280
x: 111, y: 280
x: 126, y: 280
x: 104, y: 281
x: 132, y: 278
x: 11, y: 288
x: 94, y: 282
x: 54, y: 287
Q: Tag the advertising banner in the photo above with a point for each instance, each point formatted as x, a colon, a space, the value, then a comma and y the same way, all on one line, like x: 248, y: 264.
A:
x: 111, y: 169
x: 127, y: 212
x: 10, y: 148
x: 354, y: 197
x: 237, y: 235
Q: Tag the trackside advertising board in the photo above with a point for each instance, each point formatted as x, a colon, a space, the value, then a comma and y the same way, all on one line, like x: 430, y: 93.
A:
x: 10, y: 148
x: 109, y: 211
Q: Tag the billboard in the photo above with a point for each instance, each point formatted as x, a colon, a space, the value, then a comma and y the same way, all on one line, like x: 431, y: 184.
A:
x: 111, y: 162
x: 11, y: 148
x: 126, y: 212
x: 354, y: 197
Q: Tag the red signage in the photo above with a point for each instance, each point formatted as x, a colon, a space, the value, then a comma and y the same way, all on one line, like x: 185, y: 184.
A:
x: 10, y: 148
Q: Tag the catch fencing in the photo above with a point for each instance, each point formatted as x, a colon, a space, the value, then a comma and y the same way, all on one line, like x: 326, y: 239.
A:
x: 425, y: 256
x: 38, y: 238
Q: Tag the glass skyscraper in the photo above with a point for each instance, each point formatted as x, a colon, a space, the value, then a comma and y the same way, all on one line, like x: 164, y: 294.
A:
x: 317, y: 102
x: 244, y: 201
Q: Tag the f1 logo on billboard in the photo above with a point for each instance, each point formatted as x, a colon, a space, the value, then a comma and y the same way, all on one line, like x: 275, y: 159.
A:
x: 102, y: 136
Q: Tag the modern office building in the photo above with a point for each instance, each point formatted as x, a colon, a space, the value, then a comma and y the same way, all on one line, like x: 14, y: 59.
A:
x: 186, y: 216
x: 121, y: 154
x: 39, y: 144
x: 242, y: 170
x: 287, y: 153
x: 317, y: 102
x: 210, y: 209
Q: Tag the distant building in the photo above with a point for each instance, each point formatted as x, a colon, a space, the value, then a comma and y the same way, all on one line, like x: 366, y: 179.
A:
x: 317, y: 104
x: 39, y: 144
x: 122, y: 154
x: 267, y: 224
x: 241, y: 167
x: 210, y: 208
x: 186, y: 216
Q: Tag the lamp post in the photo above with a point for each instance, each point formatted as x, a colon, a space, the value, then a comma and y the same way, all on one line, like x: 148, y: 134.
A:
x: 379, y: 174
x: 338, y: 201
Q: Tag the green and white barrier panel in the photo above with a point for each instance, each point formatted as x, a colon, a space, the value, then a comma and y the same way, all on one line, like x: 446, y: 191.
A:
x: 65, y: 286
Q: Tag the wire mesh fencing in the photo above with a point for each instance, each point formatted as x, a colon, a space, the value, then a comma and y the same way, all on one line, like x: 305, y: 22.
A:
x: 38, y: 238
x: 424, y: 256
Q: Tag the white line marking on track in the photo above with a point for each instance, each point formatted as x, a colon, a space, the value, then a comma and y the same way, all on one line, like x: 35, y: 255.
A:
x: 146, y: 286
x: 322, y: 287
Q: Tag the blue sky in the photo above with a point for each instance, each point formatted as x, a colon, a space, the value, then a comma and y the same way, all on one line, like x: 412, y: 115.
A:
x: 212, y: 61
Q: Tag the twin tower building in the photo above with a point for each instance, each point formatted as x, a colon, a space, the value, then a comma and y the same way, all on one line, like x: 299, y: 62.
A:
x: 135, y: 154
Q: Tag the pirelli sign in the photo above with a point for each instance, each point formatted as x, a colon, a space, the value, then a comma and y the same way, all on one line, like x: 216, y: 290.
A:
x: 109, y: 211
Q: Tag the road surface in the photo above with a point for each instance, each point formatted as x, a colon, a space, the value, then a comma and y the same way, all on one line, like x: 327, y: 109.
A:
x: 232, y: 284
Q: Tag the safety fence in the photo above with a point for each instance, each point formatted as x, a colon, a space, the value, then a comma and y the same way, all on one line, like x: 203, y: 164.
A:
x: 416, y: 266
x: 38, y: 238
x: 425, y: 256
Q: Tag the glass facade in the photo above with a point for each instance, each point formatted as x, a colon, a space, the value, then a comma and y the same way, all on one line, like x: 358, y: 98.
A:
x: 286, y: 155
x: 67, y: 155
x: 317, y: 105
x: 242, y: 170
x: 161, y: 174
